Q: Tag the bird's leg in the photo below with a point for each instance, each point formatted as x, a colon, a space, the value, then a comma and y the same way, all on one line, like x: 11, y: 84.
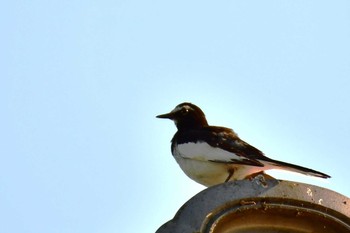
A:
x: 230, y: 174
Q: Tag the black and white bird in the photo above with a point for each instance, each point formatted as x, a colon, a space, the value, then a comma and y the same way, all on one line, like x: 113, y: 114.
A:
x: 212, y: 155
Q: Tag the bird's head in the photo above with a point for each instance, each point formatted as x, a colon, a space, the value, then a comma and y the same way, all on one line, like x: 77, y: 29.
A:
x: 186, y: 116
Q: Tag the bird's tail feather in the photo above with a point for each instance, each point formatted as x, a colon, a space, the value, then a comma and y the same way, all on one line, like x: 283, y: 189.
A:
x: 296, y: 168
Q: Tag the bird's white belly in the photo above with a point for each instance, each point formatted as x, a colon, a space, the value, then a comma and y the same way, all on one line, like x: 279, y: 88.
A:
x: 204, y: 172
x: 210, y: 173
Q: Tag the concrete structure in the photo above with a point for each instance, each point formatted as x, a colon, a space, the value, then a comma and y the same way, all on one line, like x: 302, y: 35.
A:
x: 262, y: 205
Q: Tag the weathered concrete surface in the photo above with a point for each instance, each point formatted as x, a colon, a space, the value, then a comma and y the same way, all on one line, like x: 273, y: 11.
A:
x: 261, y: 205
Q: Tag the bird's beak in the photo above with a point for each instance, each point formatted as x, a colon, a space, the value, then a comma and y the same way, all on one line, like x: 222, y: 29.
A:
x: 169, y: 115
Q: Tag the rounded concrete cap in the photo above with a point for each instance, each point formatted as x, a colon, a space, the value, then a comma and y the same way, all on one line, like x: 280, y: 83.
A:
x: 266, y: 206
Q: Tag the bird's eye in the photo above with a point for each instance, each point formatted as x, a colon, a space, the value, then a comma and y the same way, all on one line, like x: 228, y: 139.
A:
x: 184, y: 111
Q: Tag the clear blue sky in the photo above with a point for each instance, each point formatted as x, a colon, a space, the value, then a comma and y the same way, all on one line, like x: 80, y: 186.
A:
x: 82, y: 81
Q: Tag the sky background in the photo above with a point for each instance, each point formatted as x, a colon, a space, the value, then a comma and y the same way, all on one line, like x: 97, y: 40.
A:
x: 82, y: 81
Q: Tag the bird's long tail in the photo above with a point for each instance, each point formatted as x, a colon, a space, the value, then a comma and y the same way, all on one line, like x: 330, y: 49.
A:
x: 275, y: 164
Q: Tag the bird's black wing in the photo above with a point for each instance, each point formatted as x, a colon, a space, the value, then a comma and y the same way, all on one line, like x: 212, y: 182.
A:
x: 226, y: 139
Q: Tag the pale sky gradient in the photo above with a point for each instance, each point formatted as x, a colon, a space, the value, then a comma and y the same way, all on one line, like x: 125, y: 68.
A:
x: 82, y: 81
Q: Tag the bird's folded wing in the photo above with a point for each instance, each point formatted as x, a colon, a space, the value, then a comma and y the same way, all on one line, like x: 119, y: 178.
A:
x: 220, y: 145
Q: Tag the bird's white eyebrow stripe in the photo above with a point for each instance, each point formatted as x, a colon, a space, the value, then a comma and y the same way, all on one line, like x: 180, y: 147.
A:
x: 178, y: 108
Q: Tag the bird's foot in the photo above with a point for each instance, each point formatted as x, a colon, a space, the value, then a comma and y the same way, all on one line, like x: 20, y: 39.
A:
x: 230, y: 174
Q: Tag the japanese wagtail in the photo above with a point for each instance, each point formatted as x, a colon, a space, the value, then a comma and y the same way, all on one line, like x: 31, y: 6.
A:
x: 212, y: 155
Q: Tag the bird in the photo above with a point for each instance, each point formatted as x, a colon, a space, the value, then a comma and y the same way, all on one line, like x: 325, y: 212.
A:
x: 212, y: 155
